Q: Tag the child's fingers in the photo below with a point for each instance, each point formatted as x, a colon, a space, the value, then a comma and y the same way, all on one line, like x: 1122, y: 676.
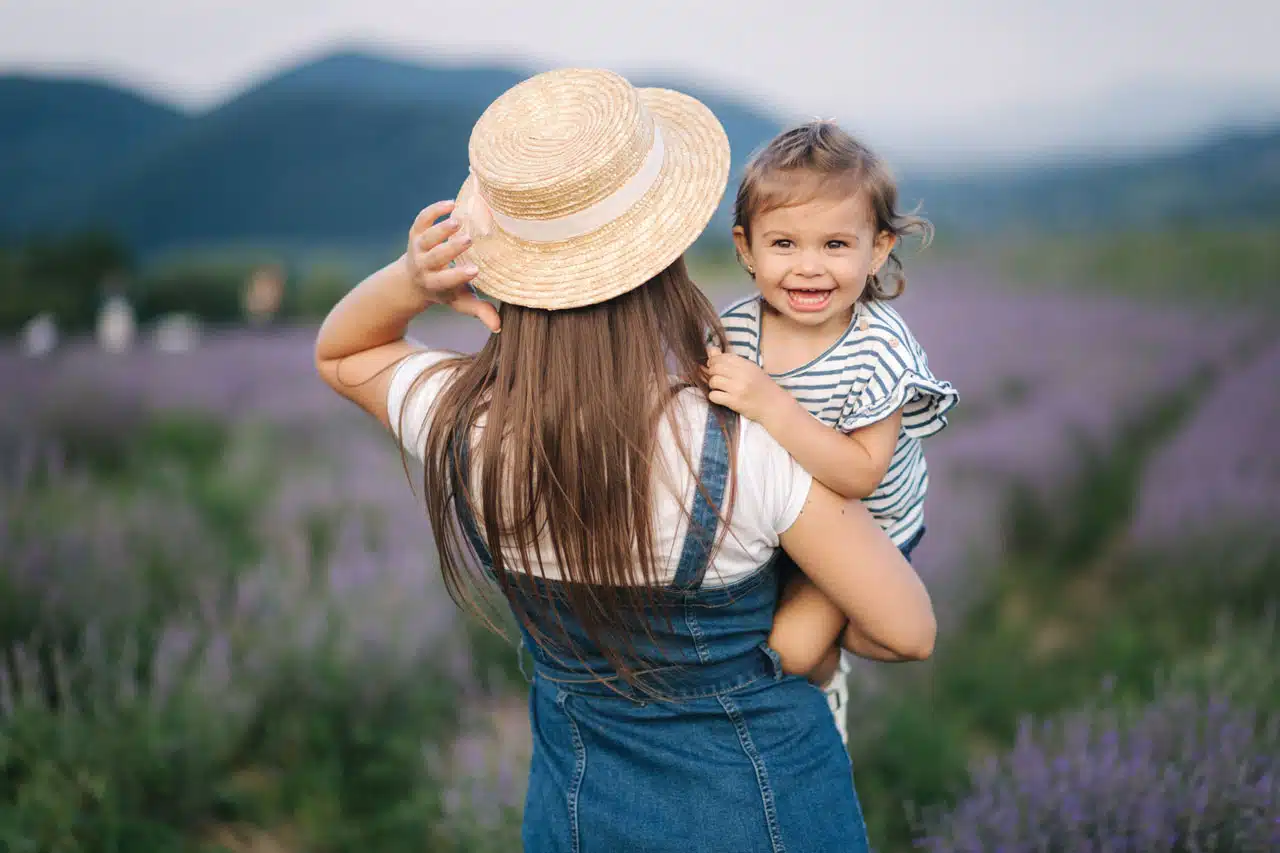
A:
x: 719, y: 398
x: 719, y: 382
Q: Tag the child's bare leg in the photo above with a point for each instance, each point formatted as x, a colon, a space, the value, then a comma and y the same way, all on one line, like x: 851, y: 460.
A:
x: 805, y: 630
x: 825, y: 671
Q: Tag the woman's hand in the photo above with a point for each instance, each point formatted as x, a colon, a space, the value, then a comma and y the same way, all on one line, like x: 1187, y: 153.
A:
x: 432, y: 258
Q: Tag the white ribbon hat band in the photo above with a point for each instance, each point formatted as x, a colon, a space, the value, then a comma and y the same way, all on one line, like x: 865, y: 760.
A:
x: 579, y: 222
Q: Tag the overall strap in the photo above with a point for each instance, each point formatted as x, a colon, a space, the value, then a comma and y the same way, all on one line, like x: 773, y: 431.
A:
x: 712, y: 477
x: 708, y: 497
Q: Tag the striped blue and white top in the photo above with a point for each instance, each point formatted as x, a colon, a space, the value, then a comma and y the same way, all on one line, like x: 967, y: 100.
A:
x: 874, y: 369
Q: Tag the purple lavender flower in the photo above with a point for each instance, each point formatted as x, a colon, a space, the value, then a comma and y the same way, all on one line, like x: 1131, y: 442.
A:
x: 1182, y: 774
x: 1222, y: 470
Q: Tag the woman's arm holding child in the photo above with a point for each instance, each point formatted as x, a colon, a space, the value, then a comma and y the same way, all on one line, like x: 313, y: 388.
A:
x: 808, y: 626
x: 851, y: 465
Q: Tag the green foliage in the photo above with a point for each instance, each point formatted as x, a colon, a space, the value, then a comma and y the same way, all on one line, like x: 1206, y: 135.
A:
x: 64, y: 275
x: 210, y: 291
x: 1204, y: 265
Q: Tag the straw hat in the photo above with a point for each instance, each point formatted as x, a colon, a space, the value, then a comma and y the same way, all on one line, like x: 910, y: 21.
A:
x: 584, y: 187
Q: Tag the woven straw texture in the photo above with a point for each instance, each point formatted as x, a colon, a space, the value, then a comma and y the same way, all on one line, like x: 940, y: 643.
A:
x: 561, y: 142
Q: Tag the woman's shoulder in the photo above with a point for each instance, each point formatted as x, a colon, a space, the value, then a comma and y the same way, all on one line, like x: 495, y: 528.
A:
x: 771, y: 486
x: 692, y: 408
x: 760, y: 460
x: 409, y: 399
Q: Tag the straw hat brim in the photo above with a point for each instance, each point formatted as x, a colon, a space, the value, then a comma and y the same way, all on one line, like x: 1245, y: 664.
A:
x: 631, y: 249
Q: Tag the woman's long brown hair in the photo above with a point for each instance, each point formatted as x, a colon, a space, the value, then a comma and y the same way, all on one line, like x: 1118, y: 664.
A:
x: 572, y: 402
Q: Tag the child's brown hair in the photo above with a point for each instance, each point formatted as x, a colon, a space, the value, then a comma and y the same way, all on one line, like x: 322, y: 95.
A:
x: 820, y: 159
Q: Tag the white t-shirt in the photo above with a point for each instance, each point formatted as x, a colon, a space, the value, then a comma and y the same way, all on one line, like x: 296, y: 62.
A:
x: 771, y: 486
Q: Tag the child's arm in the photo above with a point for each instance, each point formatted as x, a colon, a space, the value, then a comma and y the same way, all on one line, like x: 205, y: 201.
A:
x: 851, y: 465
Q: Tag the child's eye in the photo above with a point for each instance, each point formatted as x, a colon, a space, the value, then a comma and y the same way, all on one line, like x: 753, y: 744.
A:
x: 837, y: 244
x: 782, y: 243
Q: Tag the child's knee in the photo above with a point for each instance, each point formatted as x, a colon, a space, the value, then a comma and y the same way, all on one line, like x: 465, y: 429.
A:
x: 822, y: 674
x: 799, y: 652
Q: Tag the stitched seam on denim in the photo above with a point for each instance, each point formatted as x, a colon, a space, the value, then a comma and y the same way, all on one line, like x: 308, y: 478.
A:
x: 696, y: 634
x: 774, y: 659
x: 762, y: 774
x: 579, y: 769
x: 723, y: 596
x: 709, y: 693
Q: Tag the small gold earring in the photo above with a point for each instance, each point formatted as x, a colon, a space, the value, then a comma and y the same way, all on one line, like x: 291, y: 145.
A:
x: 751, y: 270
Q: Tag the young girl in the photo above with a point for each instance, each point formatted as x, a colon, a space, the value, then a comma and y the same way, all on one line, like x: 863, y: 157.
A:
x: 824, y: 364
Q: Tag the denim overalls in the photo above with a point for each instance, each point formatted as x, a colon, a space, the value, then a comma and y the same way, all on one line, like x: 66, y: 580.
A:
x: 735, y: 757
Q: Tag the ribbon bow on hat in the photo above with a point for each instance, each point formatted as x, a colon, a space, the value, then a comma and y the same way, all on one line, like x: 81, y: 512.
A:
x: 474, y: 216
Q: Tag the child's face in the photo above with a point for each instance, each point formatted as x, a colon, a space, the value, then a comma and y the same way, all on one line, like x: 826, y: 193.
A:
x: 811, y: 260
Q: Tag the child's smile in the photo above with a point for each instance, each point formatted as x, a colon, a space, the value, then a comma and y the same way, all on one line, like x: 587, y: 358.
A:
x: 811, y: 260
x: 809, y: 300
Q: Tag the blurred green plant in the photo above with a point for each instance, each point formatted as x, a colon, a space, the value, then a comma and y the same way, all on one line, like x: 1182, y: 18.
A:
x: 64, y: 275
x: 162, y: 688
x: 1238, y: 267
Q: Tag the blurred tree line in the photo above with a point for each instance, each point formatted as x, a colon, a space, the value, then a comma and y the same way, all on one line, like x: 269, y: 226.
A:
x: 69, y: 276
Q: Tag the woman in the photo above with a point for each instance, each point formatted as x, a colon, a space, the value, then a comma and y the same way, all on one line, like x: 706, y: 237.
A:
x: 629, y: 525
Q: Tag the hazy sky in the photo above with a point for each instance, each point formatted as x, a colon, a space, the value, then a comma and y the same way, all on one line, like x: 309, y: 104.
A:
x: 897, y: 68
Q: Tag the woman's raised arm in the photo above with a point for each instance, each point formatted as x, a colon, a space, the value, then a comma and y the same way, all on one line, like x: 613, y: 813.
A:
x: 364, y: 334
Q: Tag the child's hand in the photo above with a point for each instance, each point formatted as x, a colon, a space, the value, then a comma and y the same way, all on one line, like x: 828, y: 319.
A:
x: 743, y: 386
x: 434, y: 265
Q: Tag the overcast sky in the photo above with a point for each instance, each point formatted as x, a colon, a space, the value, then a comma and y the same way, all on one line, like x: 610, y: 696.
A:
x: 984, y: 68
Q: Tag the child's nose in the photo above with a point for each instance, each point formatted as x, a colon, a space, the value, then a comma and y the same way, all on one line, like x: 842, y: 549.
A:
x: 810, y: 264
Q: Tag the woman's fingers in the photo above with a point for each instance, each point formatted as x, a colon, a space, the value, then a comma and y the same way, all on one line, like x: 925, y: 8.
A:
x: 454, y: 278
x: 435, y: 237
x: 429, y: 215
x: 438, y: 255
x: 468, y: 303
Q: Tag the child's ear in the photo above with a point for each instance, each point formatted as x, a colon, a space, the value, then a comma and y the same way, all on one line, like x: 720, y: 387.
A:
x: 885, y: 241
x: 741, y: 243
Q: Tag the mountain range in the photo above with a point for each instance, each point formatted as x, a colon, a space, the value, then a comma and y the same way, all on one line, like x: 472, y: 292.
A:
x: 343, y: 150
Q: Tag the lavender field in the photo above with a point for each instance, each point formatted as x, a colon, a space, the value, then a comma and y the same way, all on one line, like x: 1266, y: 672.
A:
x: 221, y: 626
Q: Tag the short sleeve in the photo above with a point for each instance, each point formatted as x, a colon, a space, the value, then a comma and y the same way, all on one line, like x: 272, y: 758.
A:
x: 741, y: 323
x: 897, y: 377
x: 409, y: 401
x: 771, y: 478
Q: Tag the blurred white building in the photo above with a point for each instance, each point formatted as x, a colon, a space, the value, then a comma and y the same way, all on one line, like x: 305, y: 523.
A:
x: 116, y: 324
x: 176, y: 333
x: 39, y: 336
